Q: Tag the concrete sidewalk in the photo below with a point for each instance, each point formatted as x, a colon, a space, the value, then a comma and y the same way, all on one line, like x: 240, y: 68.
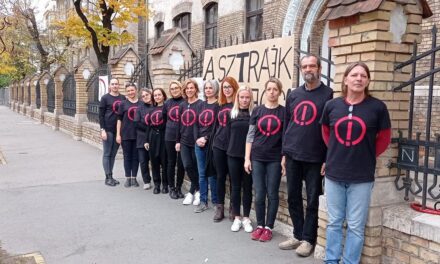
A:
x: 53, y: 200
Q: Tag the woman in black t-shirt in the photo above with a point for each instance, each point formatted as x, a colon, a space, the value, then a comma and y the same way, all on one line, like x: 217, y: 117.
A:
x: 263, y: 158
x: 228, y: 89
x: 357, y: 129
x: 126, y: 134
x: 171, y: 112
x: 238, y: 127
x: 141, y: 125
x: 156, y: 141
x: 185, y: 140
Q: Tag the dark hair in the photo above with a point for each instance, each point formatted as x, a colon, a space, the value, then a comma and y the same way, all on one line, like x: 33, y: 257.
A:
x: 221, y: 96
x: 318, y: 60
x: 347, y: 72
x: 164, y: 94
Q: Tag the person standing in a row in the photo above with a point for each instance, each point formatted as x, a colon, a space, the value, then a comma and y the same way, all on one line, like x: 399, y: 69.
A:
x: 263, y: 157
x: 108, y: 116
x: 171, y: 112
x: 356, y: 128
x: 206, y: 113
x: 156, y: 141
x: 141, y: 125
x: 241, y: 181
x: 228, y: 89
x: 185, y: 140
x: 304, y: 153
x: 126, y: 134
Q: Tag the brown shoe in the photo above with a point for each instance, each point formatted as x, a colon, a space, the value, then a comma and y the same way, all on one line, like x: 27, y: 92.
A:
x: 219, y: 212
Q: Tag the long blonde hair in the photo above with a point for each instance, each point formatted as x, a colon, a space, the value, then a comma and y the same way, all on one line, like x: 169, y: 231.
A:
x: 236, y: 108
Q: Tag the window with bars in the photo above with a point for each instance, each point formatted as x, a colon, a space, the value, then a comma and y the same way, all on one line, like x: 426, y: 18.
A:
x: 254, y: 20
x: 183, y: 21
x: 211, y: 25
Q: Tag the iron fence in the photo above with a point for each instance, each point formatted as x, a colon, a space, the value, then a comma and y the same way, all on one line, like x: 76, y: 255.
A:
x: 93, y: 93
x: 50, y: 88
x: 38, y: 95
x: 69, y: 95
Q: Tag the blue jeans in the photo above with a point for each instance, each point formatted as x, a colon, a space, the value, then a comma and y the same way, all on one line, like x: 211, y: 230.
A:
x: 266, y: 177
x: 110, y: 149
x: 350, y: 202
x: 204, y: 179
x: 190, y: 164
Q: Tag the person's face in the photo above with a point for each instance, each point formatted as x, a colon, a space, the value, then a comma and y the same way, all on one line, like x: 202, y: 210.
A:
x: 146, y: 97
x: 158, y: 96
x: 131, y: 92
x: 272, y: 92
x: 114, y: 85
x: 244, y: 99
x: 227, y: 89
x: 175, y: 90
x: 356, y: 80
x: 209, y: 91
x: 310, y: 70
x: 190, y: 90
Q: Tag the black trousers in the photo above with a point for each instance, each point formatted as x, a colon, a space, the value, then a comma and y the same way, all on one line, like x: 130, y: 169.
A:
x: 158, y: 158
x: 144, y: 159
x: 190, y: 164
x: 240, y: 180
x: 221, y: 168
x: 173, y: 159
x: 131, y: 161
x: 297, y: 171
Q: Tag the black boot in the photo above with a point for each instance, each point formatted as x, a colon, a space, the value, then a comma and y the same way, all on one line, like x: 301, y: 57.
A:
x: 127, y: 183
x: 173, y: 193
x: 179, y: 193
x: 134, y: 182
x: 109, y: 180
x: 115, y: 181
x: 165, y: 189
x: 156, y: 189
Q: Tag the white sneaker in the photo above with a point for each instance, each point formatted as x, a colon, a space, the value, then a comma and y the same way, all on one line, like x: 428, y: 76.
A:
x: 147, y: 186
x: 196, y: 199
x: 188, y: 199
x: 236, y: 225
x: 247, y: 224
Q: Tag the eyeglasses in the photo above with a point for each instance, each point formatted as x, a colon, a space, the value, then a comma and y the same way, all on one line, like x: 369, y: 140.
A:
x: 350, y: 111
x: 227, y: 87
x: 145, y: 95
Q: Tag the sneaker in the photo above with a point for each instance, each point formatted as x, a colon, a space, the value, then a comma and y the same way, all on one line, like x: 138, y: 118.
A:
x: 266, y: 235
x: 127, y: 183
x: 201, y: 208
x: 290, y: 243
x: 196, y: 199
x: 147, y: 186
x: 236, y: 225
x: 188, y: 199
x: 109, y: 182
x: 257, y: 233
x: 134, y: 182
x: 305, y: 249
x: 247, y: 225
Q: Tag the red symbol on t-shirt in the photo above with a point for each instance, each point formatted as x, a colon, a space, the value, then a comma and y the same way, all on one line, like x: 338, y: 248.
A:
x: 131, y: 112
x: 146, y: 119
x: 349, y: 137
x: 173, y: 114
x: 188, y: 117
x: 269, y: 125
x: 206, y: 118
x: 156, y: 118
x: 115, y: 106
x: 300, y: 113
x: 222, y: 116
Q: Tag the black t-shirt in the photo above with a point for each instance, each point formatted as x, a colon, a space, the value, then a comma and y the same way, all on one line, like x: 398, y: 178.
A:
x: 171, y: 110
x: 141, y: 125
x: 302, y: 138
x: 108, y: 111
x: 156, y: 121
x: 188, y: 118
x: 351, y: 154
x: 268, y: 133
x: 237, y: 131
x: 206, y: 114
x: 221, y: 133
x: 127, y: 113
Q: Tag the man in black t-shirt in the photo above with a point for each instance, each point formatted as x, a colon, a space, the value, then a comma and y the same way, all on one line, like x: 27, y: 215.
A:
x: 304, y: 153
x: 108, y: 109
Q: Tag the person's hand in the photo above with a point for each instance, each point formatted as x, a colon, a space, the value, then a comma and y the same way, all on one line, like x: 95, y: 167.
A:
x: 103, y: 135
x: 177, y: 147
x: 118, y: 139
x: 147, y: 146
x: 283, y: 166
x: 323, y: 169
x: 247, y: 166
x: 201, y: 142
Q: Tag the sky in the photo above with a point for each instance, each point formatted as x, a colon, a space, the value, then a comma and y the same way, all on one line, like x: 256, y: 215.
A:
x: 40, y: 6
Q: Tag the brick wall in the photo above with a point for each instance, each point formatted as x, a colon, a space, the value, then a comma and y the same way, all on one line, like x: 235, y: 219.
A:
x: 51, y: 120
x: 67, y: 124
x: 231, y: 25
x: 403, y: 248
x: 198, y: 36
x: 420, y: 112
x: 38, y: 115
x: 91, y: 134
